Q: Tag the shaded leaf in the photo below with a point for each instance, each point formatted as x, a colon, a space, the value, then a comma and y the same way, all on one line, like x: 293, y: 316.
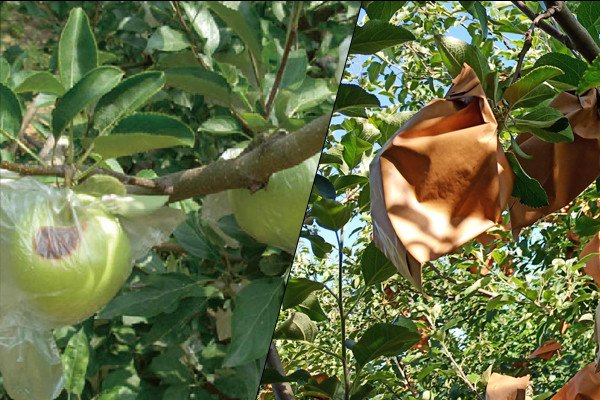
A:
x: 167, y: 39
x: 157, y: 293
x: 330, y: 214
x: 75, y: 359
x: 88, y: 89
x: 43, y: 82
x: 254, y: 317
x: 125, y: 98
x: 529, y: 82
x: 376, y: 35
x: 298, y: 326
x: 375, y: 266
x: 528, y: 190
x: 199, y: 81
x: 298, y: 290
x: 383, y: 10
x: 353, y: 99
x: 384, y: 339
x: 142, y: 132
x: 590, y: 78
x: 10, y: 111
x: 572, y: 68
x: 77, y: 50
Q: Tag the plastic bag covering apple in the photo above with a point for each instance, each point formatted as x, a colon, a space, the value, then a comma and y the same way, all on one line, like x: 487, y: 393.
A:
x: 441, y: 180
x: 504, y: 387
x: 274, y: 215
x: 64, y: 256
x: 585, y: 385
x: 564, y: 169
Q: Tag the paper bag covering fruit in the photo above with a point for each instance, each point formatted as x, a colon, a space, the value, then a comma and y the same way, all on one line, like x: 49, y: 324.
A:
x: 585, y: 385
x: 441, y: 180
x: 564, y: 169
x: 64, y: 256
x: 592, y: 264
x: 504, y: 387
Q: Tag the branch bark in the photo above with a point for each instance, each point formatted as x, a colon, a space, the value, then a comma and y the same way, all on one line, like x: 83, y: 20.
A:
x: 581, y: 38
x: 282, y: 390
x: 251, y: 169
x: 549, y: 29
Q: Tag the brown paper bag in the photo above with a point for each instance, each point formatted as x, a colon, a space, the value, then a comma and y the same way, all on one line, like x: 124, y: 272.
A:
x: 441, y: 180
x: 504, y: 387
x: 585, y: 385
x: 592, y: 266
x: 564, y: 169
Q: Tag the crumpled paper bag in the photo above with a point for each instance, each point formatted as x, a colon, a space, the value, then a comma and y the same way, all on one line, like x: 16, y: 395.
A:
x: 504, y: 387
x: 441, y: 180
x: 592, y: 266
x: 564, y: 169
x: 585, y: 385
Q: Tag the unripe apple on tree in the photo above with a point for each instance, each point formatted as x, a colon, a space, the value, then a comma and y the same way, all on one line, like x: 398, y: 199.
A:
x: 274, y: 215
x: 70, y: 262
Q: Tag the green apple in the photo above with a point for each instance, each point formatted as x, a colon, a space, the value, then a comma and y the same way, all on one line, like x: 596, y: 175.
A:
x: 70, y: 262
x: 274, y: 215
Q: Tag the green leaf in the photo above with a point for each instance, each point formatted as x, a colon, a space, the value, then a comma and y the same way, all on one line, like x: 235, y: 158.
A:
x: 375, y: 266
x: 77, y: 50
x: 241, y: 18
x: 377, y: 35
x: 526, y: 84
x: 199, y: 81
x: 384, y: 339
x: 312, y: 307
x: 167, y: 39
x: 193, y: 240
x: 253, y: 321
x: 453, y: 52
x: 90, y: 88
x: 298, y: 326
x: 142, y: 132
x: 354, y: 148
x: 547, y: 123
x: 526, y: 189
x: 330, y: 214
x: 383, y: 10
x: 75, y: 359
x: 125, y: 98
x: 325, y: 187
x: 586, y: 226
x: 319, y: 246
x: 477, y: 10
x: 590, y: 78
x: 4, y: 70
x: 204, y: 24
x: 298, y: 290
x: 10, y: 111
x: 165, y: 324
x: 295, y: 70
x: 221, y: 125
x: 156, y: 294
x: 588, y: 14
x: 537, y: 96
x: 43, y: 82
x: 572, y: 68
x: 353, y: 99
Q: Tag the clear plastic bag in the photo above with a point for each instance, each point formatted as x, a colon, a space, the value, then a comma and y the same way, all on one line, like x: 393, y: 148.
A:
x: 65, y: 255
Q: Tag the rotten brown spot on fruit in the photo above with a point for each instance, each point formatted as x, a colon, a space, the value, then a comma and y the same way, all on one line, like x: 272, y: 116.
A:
x: 56, y: 242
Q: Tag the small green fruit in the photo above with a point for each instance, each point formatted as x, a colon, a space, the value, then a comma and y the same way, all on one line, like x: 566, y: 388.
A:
x: 69, y: 264
x: 274, y: 215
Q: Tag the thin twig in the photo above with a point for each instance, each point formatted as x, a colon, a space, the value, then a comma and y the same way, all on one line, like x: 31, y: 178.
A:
x: 549, y: 29
x: 291, y: 37
x: 459, y: 369
x: 23, y: 146
x: 340, y: 242
x: 526, y: 46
